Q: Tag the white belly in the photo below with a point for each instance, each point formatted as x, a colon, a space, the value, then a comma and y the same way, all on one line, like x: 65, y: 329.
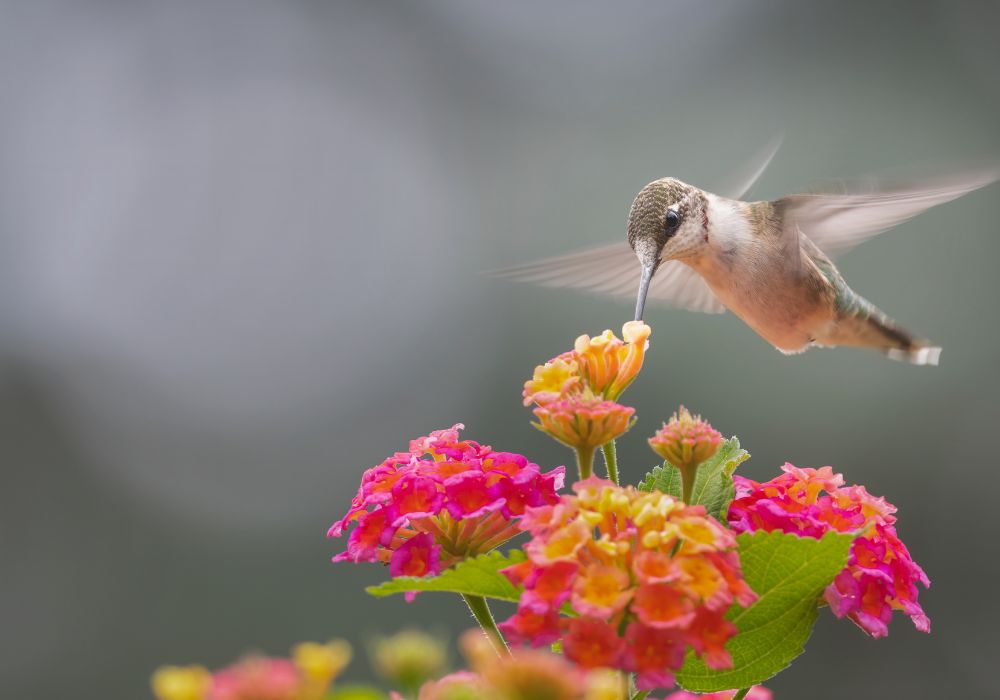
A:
x: 753, y: 277
x: 777, y: 309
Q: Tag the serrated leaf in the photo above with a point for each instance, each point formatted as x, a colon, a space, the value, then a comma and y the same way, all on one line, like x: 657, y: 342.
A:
x: 788, y: 573
x: 665, y: 478
x: 713, y: 485
x: 477, y: 576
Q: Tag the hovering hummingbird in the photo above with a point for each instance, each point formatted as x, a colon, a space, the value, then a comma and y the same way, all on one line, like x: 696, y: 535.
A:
x: 769, y: 262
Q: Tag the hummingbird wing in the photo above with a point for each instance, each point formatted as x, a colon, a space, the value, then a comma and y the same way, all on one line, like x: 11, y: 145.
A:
x: 838, y: 222
x: 739, y: 181
x: 614, y: 270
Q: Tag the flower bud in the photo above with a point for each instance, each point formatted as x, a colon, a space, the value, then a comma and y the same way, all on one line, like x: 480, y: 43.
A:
x: 181, y: 683
x: 409, y: 658
x: 322, y: 663
x: 686, y: 441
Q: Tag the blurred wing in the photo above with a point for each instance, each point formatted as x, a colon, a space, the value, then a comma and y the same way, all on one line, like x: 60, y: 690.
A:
x: 740, y: 180
x: 838, y: 222
x: 614, y: 269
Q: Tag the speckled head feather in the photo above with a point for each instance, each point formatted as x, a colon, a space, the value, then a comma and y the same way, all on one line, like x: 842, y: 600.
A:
x: 647, y: 228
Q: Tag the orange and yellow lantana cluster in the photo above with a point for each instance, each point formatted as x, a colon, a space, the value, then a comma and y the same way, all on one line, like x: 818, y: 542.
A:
x: 576, y: 393
x: 645, y: 576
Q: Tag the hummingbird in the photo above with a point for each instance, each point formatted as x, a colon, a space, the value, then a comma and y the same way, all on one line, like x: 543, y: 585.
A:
x: 768, y: 262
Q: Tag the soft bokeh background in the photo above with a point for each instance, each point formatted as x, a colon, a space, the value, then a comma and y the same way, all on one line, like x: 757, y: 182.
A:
x: 240, y: 246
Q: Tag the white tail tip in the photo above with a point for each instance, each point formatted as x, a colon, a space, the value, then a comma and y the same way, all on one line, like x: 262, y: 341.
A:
x: 918, y: 356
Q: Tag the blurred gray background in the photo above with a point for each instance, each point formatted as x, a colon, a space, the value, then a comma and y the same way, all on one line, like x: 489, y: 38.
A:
x: 240, y: 246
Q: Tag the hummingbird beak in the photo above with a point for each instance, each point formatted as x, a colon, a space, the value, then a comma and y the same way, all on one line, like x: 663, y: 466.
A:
x: 640, y: 302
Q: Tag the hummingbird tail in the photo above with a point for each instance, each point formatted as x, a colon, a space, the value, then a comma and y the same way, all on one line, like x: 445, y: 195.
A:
x: 865, y: 325
x: 898, y: 344
x: 926, y: 355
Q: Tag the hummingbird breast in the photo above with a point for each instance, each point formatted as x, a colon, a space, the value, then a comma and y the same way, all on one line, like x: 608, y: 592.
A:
x: 780, y: 296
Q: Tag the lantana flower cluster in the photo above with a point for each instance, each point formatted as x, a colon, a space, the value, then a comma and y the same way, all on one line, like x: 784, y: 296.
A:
x: 445, y: 499
x: 625, y: 581
x: 307, y: 675
x: 644, y: 575
x: 757, y: 692
x: 880, y: 575
x: 575, y: 394
x: 524, y: 674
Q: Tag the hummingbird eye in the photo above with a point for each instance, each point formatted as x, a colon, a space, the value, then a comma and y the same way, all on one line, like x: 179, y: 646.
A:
x: 673, y: 220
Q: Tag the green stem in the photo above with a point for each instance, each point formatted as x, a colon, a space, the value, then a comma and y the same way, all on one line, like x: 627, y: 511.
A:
x: 585, y: 462
x: 740, y: 694
x: 641, y: 695
x: 481, y: 611
x: 688, y: 476
x: 611, y: 460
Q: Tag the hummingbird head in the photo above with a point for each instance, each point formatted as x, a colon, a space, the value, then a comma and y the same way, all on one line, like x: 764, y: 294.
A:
x: 666, y: 222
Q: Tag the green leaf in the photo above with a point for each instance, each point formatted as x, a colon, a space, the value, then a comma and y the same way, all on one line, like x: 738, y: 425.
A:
x: 788, y: 573
x: 478, y: 576
x: 713, y: 485
x: 666, y: 479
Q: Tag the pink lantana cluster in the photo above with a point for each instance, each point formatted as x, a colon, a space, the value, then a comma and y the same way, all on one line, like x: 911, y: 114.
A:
x: 524, y: 674
x: 879, y: 577
x: 576, y: 393
x: 260, y: 677
x: 445, y: 499
x: 757, y: 692
x: 646, y: 575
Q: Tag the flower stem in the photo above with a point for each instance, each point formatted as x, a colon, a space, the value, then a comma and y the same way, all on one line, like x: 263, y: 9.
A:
x: 740, y: 694
x: 688, y: 476
x: 641, y: 695
x: 611, y: 460
x: 585, y: 462
x: 481, y: 611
